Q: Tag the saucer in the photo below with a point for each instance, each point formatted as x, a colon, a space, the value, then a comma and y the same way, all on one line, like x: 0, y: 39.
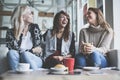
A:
x: 23, y: 71
x: 57, y: 72
x: 59, y: 69
x: 90, y: 68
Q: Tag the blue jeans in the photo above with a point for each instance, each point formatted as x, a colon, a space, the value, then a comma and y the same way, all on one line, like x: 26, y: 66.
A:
x: 94, y: 59
x: 26, y: 57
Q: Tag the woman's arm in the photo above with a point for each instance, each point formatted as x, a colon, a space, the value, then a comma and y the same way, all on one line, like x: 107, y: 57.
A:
x: 105, y: 45
x: 12, y: 43
x: 81, y: 40
x: 36, y: 38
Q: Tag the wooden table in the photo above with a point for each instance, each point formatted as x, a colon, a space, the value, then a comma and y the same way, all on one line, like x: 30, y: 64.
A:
x: 43, y: 75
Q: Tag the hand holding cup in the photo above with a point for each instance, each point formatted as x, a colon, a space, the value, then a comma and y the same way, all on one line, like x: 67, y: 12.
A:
x: 87, y: 47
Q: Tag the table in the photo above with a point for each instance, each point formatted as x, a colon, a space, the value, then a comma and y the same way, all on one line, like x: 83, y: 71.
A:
x: 43, y: 75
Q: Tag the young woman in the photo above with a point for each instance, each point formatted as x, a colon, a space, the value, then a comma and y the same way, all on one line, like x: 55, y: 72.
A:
x: 24, y: 39
x: 94, y: 41
x: 60, y: 41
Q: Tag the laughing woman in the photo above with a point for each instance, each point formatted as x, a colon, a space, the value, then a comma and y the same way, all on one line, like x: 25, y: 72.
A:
x: 94, y: 41
x: 60, y: 41
x: 24, y: 39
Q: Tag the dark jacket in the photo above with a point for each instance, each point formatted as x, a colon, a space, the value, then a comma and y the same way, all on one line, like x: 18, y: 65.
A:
x: 12, y: 43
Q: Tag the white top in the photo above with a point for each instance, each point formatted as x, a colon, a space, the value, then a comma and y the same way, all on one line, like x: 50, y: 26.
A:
x: 26, y: 41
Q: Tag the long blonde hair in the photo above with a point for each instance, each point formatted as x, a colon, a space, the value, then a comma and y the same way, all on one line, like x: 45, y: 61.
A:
x: 16, y: 21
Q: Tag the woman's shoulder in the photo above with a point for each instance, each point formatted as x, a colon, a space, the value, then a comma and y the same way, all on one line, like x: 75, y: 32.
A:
x: 11, y: 30
x: 83, y: 30
x: 85, y: 27
x: 110, y: 31
x: 34, y: 25
x: 48, y: 32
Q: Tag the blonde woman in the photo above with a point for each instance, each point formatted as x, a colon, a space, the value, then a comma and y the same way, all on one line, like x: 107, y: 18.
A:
x: 24, y: 39
x: 94, y: 40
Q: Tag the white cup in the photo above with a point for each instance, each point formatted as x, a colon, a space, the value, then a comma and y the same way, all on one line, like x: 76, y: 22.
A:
x: 23, y: 67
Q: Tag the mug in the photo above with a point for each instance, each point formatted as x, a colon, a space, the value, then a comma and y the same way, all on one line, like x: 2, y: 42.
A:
x: 69, y: 62
x: 23, y: 67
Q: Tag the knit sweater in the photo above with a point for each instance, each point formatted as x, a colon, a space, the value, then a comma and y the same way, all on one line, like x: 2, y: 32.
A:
x: 100, y: 37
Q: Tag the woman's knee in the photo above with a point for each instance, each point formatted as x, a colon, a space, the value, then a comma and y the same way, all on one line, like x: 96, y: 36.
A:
x: 12, y: 53
x: 79, y: 56
x: 95, y: 53
x: 80, y: 60
x: 25, y: 54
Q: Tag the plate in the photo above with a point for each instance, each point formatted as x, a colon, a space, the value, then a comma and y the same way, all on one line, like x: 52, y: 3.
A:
x: 23, y: 71
x: 65, y: 72
x: 90, y: 68
x: 59, y: 69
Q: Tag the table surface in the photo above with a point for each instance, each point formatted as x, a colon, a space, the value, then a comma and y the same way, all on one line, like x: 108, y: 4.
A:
x: 44, y: 75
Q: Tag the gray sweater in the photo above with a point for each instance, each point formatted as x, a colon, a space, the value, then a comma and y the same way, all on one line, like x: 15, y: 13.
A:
x: 100, y: 37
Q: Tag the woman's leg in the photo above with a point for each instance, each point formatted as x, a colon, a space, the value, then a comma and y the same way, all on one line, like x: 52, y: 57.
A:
x: 13, y: 59
x: 80, y: 60
x: 35, y: 61
x: 99, y: 59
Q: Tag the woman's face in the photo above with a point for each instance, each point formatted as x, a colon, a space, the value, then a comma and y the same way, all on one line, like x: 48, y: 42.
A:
x: 63, y: 21
x: 28, y: 16
x: 91, y: 17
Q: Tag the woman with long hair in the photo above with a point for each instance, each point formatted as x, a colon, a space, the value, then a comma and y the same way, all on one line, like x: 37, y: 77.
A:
x: 94, y: 41
x: 60, y: 41
x: 24, y: 39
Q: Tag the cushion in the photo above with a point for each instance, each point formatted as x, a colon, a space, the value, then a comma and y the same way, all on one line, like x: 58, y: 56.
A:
x: 3, y: 59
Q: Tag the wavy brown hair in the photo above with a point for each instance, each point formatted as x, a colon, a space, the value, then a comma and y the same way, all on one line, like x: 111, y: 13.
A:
x: 55, y: 29
x: 100, y: 18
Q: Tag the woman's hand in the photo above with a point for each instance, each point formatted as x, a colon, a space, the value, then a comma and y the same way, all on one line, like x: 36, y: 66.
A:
x: 37, y: 50
x: 87, y: 48
x: 60, y: 58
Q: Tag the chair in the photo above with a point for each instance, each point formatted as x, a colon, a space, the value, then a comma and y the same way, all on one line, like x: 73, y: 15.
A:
x: 3, y: 50
x: 114, y: 58
x: 3, y: 59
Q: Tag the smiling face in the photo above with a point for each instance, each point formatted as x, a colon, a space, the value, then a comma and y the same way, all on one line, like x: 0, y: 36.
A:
x: 28, y: 16
x: 63, y: 21
x: 91, y: 17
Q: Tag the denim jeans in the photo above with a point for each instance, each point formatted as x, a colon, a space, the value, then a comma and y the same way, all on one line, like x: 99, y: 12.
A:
x: 94, y: 59
x: 26, y: 57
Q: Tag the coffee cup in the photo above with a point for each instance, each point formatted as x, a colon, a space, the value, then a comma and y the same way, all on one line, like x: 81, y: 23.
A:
x: 86, y: 45
x: 69, y: 62
x: 23, y: 67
